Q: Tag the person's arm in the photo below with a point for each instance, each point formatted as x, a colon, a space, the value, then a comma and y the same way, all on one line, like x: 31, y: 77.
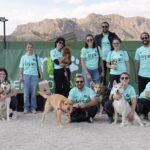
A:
x: 93, y: 102
x: 147, y: 95
x: 137, y: 66
x: 111, y: 66
x: 102, y: 67
x: 133, y: 106
x: 40, y: 71
x: 128, y: 67
x: 21, y: 74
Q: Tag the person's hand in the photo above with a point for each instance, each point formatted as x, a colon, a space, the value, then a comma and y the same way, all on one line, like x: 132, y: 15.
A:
x: 83, y: 105
x: 1, y: 90
x: 102, y: 73
x: 116, y: 96
x: 114, y: 67
x: 21, y: 78
x: 130, y: 116
x: 76, y: 105
x: 88, y: 76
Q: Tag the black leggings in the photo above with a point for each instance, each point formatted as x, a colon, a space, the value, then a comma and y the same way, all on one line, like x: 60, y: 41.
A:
x: 13, y: 103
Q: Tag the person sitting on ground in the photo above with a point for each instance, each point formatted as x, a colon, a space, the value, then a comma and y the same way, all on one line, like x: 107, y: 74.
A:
x: 84, y: 100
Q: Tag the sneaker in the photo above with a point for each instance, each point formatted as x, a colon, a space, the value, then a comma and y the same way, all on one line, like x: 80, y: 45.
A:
x: 90, y: 120
x: 14, y: 116
x: 110, y: 120
x: 33, y: 111
x: 26, y: 111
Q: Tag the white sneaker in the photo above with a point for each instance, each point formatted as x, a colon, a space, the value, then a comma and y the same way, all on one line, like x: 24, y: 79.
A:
x: 33, y: 111
x: 14, y: 116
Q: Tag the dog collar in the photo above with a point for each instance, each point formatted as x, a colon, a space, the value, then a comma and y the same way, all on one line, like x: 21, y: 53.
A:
x: 61, y: 110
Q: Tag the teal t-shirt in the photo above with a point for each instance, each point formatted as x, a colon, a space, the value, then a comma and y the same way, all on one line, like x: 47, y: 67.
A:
x: 129, y: 93
x: 106, y: 47
x: 55, y: 54
x: 29, y: 65
x: 143, y: 55
x: 81, y: 96
x: 147, y: 89
x: 91, y: 57
x: 118, y: 58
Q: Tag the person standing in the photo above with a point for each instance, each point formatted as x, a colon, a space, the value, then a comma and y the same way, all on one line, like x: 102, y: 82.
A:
x: 90, y: 61
x: 104, y: 40
x: 29, y: 76
x: 61, y: 76
x: 142, y: 62
x: 118, y: 62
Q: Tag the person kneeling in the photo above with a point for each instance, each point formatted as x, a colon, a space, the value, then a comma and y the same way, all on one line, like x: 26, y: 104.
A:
x: 85, y: 105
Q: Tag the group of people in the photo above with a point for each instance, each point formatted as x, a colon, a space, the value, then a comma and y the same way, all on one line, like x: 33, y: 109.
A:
x: 99, y: 55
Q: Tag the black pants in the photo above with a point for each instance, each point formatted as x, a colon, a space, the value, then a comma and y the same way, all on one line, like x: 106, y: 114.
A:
x: 62, y: 82
x: 78, y: 115
x: 142, y: 81
x: 110, y: 109
x: 105, y: 69
x: 13, y: 103
x: 145, y: 105
x: 112, y: 78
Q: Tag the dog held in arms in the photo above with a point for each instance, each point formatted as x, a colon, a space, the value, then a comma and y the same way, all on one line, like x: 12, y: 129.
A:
x: 61, y: 104
x: 5, y: 104
x: 121, y: 106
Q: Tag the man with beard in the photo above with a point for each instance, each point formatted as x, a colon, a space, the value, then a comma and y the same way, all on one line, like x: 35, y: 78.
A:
x: 104, y: 40
x: 85, y: 104
x: 142, y: 58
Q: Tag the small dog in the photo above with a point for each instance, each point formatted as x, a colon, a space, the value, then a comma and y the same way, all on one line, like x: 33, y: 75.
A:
x: 121, y: 106
x: 99, y: 89
x: 66, y: 59
x: 5, y: 105
x: 61, y: 104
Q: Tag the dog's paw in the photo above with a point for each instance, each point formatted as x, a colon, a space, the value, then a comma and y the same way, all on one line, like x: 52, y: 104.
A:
x: 60, y: 126
x: 122, y: 124
x: 114, y: 123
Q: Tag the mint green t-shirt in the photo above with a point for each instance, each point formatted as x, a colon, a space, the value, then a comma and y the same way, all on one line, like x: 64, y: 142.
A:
x: 81, y: 96
x: 143, y: 55
x: 129, y: 93
x: 147, y: 89
x: 29, y: 65
x: 91, y: 57
x: 118, y: 58
x: 106, y: 47
x: 55, y: 54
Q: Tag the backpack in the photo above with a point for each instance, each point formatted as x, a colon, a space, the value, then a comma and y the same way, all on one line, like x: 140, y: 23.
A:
x: 50, y: 66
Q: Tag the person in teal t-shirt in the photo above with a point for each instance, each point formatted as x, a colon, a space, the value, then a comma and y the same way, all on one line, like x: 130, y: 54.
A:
x: 142, y: 58
x: 90, y: 61
x: 144, y: 100
x: 117, y: 61
x: 29, y: 76
x: 83, y: 97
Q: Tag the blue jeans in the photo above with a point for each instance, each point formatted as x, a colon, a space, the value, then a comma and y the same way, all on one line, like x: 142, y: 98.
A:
x: 94, y: 75
x: 30, y: 86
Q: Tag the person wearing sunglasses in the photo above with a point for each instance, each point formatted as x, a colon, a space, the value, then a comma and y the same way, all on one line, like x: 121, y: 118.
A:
x: 142, y: 62
x: 83, y: 98
x: 129, y: 94
x: 62, y: 83
x: 90, y: 61
x: 12, y: 93
x: 117, y: 62
x: 104, y: 40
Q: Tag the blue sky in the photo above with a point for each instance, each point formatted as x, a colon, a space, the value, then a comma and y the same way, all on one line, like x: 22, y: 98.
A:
x: 24, y: 11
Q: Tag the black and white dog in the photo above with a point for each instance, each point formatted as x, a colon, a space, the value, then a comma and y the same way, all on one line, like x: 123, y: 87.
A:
x: 121, y: 106
x: 5, y: 104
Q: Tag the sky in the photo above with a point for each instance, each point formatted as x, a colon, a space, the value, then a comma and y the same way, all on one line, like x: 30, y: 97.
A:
x: 23, y: 11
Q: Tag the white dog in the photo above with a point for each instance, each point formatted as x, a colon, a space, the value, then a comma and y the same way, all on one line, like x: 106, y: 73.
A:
x: 121, y: 106
x: 5, y: 104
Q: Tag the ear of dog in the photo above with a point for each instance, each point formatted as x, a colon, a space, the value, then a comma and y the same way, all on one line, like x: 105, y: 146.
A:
x: 114, y: 83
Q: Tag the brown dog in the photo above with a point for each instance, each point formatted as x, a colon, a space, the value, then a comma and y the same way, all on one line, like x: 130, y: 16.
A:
x: 61, y: 104
x: 66, y: 59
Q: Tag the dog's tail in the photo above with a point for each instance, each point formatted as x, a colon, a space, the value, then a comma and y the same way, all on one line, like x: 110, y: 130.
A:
x: 43, y: 95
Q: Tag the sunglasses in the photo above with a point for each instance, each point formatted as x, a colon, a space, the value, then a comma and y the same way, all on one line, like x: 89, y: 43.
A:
x: 79, y: 81
x: 144, y: 38
x: 104, y: 26
x: 124, y: 78
x: 60, y: 42
x: 89, y: 40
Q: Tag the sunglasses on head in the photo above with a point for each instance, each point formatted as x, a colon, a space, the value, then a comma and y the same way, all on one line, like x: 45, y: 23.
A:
x: 144, y: 38
x: 80, y: 81
x: 104, y: 26
x: 89, y: 40
x: 124, y: 78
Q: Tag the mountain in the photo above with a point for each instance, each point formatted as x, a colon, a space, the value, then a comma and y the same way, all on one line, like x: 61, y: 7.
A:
x: 128, y: 28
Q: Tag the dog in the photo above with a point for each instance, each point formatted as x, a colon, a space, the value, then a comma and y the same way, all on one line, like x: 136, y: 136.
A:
x: 121, y: 106
x: 5, y: 104
x: 61, y: 104
x: 99, y: 89
x: 66, y: 59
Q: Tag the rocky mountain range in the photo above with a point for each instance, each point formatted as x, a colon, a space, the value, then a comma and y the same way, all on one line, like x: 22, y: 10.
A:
x: 128, y: 28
